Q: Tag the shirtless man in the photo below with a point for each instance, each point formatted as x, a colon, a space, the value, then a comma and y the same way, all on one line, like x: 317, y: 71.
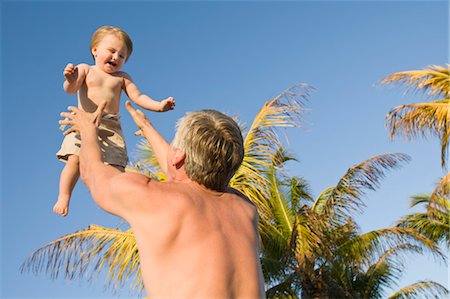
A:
x: 197, y: 238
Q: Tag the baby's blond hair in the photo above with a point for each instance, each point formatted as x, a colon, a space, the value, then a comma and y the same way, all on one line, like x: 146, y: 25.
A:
x: 213, y: 145
x: 103, y: 31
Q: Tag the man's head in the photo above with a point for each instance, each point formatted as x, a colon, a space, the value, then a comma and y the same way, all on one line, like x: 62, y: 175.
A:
x: 104, y: 31
x: 213, y: 145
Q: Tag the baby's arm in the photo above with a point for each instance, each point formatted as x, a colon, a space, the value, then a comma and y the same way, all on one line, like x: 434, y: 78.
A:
x: 74, y: 76
x: 143, y: 100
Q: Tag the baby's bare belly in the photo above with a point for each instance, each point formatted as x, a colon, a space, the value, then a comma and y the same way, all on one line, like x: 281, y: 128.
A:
x: 89, y: 101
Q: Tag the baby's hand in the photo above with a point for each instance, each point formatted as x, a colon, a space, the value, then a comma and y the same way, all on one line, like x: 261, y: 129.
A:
x: 167, y: 104
x: 70, y: 72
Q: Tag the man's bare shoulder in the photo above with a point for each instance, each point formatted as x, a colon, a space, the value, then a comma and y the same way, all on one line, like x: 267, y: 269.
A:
x: 238, y: 193
x: 246, y: 203
x: 132, y: 182
x: 136, y: 194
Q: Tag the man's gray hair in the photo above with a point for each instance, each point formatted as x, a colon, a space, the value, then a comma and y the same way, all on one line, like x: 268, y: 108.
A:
x: 213, y: 145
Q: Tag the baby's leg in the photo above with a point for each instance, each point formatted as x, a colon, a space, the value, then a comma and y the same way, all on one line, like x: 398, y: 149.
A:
x: 67, y: 181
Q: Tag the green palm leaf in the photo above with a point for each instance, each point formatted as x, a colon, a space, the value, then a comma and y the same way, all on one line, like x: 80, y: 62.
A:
x: 420, y: 290
x: 85, y: 253
x: 440, y: 197
x: 366, y: 247
x: 434, y: 222
x: 433, y: 80
x: 422, y: 119
x: 262, y: 144
x: 147, y: 163
x: 387, y: 269
x: 346, y: 197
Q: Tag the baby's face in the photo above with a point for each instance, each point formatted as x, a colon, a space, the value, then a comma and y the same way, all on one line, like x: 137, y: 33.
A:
x: 110, y: 54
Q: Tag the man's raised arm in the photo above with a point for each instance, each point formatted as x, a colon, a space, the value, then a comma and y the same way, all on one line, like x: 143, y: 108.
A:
x: 146, y: 129
x: 95, y: 174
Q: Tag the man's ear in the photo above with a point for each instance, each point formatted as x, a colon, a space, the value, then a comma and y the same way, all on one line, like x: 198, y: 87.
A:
x: 178, y: 158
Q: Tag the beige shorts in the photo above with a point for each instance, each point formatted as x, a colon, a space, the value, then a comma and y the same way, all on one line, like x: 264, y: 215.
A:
x: 111, y: 140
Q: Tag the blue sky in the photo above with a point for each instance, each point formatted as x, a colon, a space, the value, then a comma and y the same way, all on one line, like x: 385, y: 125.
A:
x: 229, y: 56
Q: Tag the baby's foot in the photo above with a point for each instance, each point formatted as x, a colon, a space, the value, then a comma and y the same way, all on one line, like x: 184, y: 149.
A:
x: 61, y: 207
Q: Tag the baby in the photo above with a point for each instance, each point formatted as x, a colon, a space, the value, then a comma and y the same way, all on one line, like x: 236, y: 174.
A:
x: 103, y: 82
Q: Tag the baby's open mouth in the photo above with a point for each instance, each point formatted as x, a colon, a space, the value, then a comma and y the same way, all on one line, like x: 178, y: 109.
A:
x: 112, y: 63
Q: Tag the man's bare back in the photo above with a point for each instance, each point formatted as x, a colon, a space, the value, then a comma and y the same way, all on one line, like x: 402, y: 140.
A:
x: 205, y: 243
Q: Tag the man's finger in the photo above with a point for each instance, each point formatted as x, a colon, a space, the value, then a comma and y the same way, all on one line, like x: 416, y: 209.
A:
x: 73, y: 109
x: 70, y: 130
x: 138, y: 133
x: 98, y: 113
x: 129, y: 107
x: 67, y: 115
x: 100, y: 107
x: 65, y: 122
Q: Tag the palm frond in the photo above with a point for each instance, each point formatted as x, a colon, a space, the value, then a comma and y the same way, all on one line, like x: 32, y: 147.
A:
x: 422, y: 119
x: 300, y: 192
x: 434, y: 222
x: 85, y: 253
x: 436, y: 228
x: 442, y: 191
x: 420, y: 290
x: 364, y: 248
x: 346, y: 197
x: 386, y: 271
x: 283, y: 290
x: 281, y: 213
x: 433, y: 80
x: 308, y: 239
x: 262, y: 143
x: 274, y: 253
x: 147, y: 163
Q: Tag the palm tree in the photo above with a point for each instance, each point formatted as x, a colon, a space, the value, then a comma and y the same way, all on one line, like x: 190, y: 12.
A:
x: 314, y: 248
x: 427, y: 118
x: 85, y: 253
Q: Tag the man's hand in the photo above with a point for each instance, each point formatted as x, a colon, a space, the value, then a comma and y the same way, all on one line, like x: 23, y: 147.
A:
x: 70, y: 73
x: 80, y: 120
x: 167, y: 104
x: 139, y: 118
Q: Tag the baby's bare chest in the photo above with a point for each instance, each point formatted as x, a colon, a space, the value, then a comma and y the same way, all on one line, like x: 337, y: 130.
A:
x: 103, y: 82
